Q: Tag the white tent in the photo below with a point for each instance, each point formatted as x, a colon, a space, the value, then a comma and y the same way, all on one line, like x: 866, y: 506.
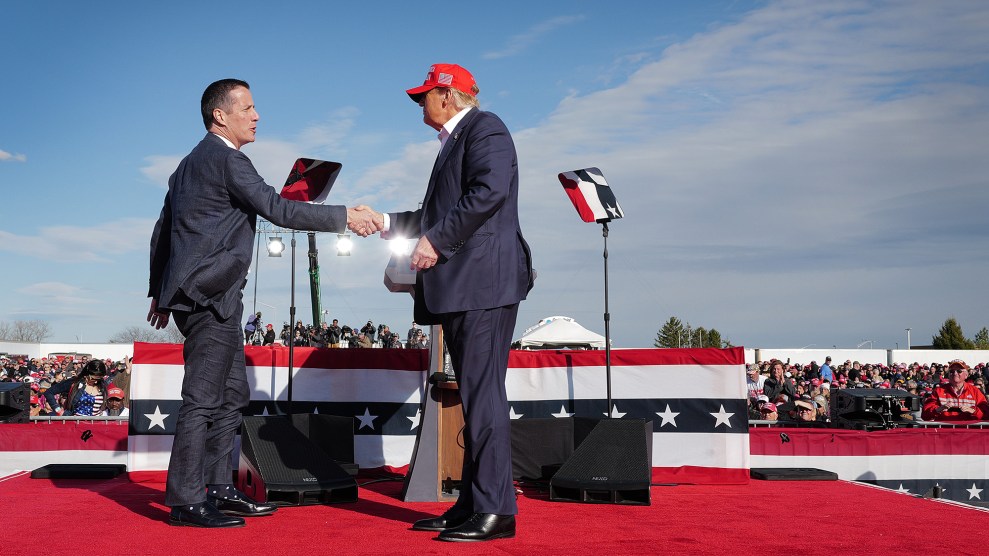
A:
x: 559, y: 332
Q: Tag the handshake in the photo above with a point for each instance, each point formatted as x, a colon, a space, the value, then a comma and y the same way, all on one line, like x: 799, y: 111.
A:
x: 364, y: 221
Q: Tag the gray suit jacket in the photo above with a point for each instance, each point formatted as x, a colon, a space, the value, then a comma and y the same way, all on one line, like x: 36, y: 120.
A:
x: 202, y: 244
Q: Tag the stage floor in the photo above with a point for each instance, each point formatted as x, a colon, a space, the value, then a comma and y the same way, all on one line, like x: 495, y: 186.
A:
x: 763, y: 517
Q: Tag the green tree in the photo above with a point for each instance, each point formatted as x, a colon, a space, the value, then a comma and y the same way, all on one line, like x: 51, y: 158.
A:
x: 951, y: 337
x: 713, y: 339
x: 981, y: 339
x: 670, y: 335
x: 699, y: 338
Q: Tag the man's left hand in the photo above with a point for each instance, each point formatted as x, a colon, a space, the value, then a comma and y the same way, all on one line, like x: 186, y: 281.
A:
x: 424, y: 256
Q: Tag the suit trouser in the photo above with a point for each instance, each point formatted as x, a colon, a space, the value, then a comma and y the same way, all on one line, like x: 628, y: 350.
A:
x: 214, y: 390
x: 478, y: 342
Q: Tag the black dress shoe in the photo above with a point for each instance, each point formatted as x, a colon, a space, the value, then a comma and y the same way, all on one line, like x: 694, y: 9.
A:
x: 202, y: 515
x: 450, y: 519
x: 481, y: 527
x: 238, y: 503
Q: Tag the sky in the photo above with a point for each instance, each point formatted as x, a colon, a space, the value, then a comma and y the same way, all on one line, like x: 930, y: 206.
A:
x: 793, y: 174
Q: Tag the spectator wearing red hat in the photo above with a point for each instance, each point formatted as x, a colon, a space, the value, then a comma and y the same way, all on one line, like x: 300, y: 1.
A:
x: 958, y: 400
x: 115, y: 402
x: 269, y: 335
x: 769, y: 412
x: 37, y: 407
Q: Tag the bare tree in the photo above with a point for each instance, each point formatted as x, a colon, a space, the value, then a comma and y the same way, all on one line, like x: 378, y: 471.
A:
x: 30, y: 331
x: 172, y: 335
x: 132, y: 334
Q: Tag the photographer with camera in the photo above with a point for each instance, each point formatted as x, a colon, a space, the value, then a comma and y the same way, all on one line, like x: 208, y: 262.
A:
x: 369, y: 330
x: 252, y: 328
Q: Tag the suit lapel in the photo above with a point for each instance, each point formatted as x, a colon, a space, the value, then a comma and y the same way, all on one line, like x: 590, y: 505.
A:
x: 451, y: 143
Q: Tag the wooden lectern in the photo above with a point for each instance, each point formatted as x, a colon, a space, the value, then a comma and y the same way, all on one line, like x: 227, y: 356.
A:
x: 438, y: 458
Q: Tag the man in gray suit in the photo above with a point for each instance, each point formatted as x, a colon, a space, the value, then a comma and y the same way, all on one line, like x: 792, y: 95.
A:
x: 200, y: 255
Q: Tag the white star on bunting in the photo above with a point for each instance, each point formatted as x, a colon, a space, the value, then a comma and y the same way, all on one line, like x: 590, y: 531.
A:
x: 157, y: 418
x: 562, y: 413
x: 668, y: 417
x: 974, y: 492
x: 615, y: 412
x: 512, y: 414
x: 903, y: 490
x: 722, y: 417
x: 415, y: 419
x: 367, y: 420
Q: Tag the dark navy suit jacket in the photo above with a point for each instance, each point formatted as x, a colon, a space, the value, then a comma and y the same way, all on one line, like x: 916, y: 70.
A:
x: 470, y: 216
x: 203, y: 241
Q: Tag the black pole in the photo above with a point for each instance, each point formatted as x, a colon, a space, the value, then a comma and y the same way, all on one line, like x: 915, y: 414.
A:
x: 291, y: 335
x: 257, y: 252
x: 314, y: 294
x: 607, y: 317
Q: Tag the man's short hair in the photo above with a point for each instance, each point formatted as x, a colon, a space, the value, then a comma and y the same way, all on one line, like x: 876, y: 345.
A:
x: 462, y: 100
x: 216, y: 96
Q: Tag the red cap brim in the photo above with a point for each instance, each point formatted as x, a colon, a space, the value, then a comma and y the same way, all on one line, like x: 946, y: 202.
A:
x: 416, y: 93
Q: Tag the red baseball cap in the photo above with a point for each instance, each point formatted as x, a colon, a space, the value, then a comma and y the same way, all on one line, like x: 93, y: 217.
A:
x: 35, y: 400
x: 115, y: 393
x: 444, y: 75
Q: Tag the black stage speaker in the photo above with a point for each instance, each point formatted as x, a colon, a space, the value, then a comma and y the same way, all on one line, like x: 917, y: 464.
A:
x: 611, y: 463
x: 873, y: 408
x: 14, y: 401
x: 290, y: 461
x: 540, y: 446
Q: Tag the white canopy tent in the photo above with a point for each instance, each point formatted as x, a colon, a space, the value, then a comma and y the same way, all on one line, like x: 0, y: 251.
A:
x: 559, y: 332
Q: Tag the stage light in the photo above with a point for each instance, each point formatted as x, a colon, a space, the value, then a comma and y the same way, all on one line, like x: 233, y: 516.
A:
x: 344, y: 245
x: 400, y: 246
x: 275, y: 246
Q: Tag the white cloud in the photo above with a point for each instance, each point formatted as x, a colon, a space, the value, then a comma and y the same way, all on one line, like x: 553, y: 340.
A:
x: 8, y: 157
x: 56, y: 294
x: 519, y: 43
x: 160, y: 168
x: 102, y: 242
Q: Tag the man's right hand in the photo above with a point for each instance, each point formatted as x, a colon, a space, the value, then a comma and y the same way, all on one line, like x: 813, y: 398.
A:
x: 364, y: 221
x: 158, y: 319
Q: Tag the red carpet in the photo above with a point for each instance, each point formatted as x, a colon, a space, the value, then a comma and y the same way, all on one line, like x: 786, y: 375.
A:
x: 116, y: 516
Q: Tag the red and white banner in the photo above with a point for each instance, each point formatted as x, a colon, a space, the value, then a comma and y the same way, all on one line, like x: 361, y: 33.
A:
x: 911, y: 460
x: 695, y: 398
x: 28, y: 446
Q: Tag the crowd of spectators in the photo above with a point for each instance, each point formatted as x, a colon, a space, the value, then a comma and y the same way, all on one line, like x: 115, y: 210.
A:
x: 801, y: 393
x: 67, y: 385
x: 334, y: 335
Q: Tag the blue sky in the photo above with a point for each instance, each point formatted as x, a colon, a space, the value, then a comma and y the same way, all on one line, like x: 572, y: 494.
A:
x: 792, y: 173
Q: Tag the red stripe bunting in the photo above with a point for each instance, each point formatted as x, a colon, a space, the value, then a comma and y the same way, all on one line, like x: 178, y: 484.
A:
x: 843, y: 442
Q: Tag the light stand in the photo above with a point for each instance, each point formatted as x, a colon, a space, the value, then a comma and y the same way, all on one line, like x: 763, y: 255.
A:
x: 291, y: 336
x: 607, y: 317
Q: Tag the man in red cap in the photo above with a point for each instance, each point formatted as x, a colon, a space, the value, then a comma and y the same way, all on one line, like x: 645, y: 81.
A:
x: 115, y: 402
x: 957, y: 400
x: 473, y: 269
